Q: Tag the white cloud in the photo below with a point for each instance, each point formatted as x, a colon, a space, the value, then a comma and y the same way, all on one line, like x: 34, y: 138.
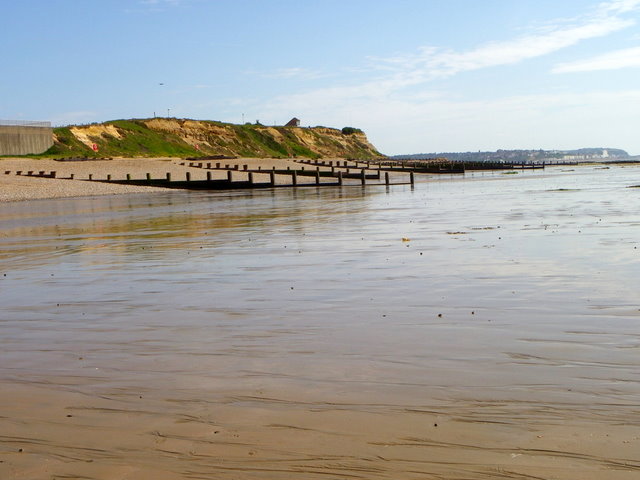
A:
x: 620, y: 6
x: 628, y: 57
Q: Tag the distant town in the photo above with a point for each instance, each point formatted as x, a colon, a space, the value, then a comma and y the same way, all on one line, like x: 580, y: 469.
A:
x: 528, y: 156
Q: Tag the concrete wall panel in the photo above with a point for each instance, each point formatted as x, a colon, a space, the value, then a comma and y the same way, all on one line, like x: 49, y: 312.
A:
x: 21, y: 140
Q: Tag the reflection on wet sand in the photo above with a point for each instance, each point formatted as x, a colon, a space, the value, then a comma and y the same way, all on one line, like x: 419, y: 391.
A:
x: 294, y: 334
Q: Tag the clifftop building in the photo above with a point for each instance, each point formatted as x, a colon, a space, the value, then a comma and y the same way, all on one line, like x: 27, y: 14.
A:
x: 294, y: 122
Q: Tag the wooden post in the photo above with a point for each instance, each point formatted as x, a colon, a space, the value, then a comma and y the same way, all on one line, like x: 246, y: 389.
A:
x: 272, y: 178
x: 208, y: 165
x: 386, y: 178
x: 251, y: 178
x: 71, y: 176
x: 340, y: 177
x: 53, y: 174
x: 363, y: 176
x: 128, y: 177
x: 229, y: 176
x: 148, y: 176
x: 218, y: 165
x: 168, y: 176
x: 200, y: 165
x: 318, y: 177
x: 109, y: 178
x: 237, y: 167
x: 245, y: 167
x: 294, y: 178
x: 41, y: 173
x: 188, y: 175
x: 208, y: 176
x: 411, y: 177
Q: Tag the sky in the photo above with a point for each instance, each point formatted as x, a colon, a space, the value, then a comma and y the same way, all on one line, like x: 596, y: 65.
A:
x: 418, y: 76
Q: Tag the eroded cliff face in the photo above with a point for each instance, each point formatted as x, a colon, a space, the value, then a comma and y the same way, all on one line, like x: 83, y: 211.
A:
x: 258, y: 140
x: 178, y: 137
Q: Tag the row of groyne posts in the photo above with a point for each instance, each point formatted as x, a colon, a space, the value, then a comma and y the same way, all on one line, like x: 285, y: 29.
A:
x: 359, y: 171
x: 339, y: 170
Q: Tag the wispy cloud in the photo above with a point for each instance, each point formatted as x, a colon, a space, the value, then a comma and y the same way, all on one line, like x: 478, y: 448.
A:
x: 626, y: 58
x: 295, y: 73
x: 620, y: 6
x: 396, y: 74
x: 389, y: 96
x: 161, y: 2
x: 432, y: 62
x: 153, y: 6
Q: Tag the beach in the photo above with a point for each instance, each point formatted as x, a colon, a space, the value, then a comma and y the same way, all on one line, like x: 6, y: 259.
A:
x: 480, y: 326
x: 22, y: 187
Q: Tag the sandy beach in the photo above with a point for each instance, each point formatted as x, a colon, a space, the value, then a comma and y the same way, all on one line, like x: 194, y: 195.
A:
x: 22, y: 187
x: 51, y: 433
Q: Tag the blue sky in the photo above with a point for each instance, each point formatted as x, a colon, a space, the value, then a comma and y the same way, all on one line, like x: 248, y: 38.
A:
x: 416, y: 75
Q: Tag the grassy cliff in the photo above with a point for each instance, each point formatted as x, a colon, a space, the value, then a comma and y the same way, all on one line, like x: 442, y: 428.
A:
x: 160, y: 137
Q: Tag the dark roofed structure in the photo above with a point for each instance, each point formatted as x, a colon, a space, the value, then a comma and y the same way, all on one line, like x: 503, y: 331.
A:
x: 294, y: 122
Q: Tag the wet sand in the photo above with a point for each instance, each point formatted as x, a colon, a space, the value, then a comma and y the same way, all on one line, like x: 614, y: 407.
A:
x: 294, y: 334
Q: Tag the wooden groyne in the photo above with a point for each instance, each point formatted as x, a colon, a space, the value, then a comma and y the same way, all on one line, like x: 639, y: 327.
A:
x: 32, y: 173
x: 297, y: 178
x: 353, y: 171
x: 435, y: 166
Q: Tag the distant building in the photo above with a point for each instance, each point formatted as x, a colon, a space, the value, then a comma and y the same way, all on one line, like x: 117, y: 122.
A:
x: 294, y: 122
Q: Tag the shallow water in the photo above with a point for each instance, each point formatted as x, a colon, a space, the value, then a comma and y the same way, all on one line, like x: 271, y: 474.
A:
x: 515, y: 298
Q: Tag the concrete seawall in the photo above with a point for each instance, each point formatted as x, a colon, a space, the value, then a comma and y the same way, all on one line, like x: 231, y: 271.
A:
x: 23, y: 140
